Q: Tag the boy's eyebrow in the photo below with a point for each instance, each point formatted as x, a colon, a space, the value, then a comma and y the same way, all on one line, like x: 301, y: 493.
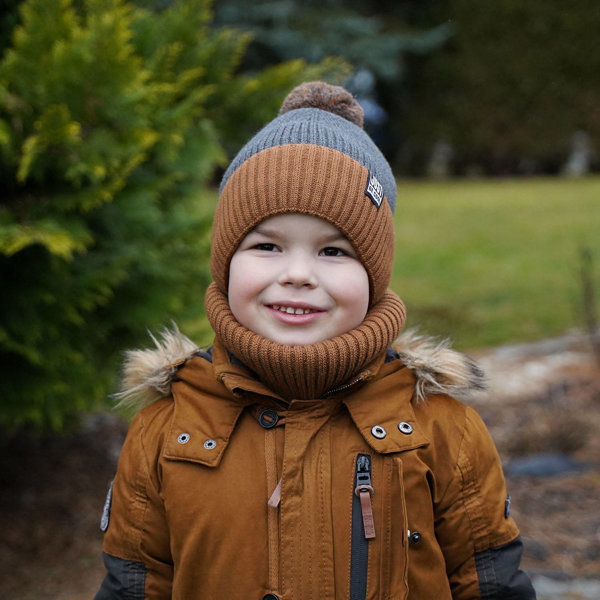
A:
x: 274, y: 232
x: 264, y: 230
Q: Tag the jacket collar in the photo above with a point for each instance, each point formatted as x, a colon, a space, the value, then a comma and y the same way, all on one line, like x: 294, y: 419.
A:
x: 237, y: 378
x: 177, y: 367
x: 148, y: 374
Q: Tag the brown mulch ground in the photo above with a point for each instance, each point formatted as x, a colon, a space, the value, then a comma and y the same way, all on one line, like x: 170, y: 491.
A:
x: 552, y: 406
x: 52, y: 489
x: 51, y: 495
x: 559, y: 516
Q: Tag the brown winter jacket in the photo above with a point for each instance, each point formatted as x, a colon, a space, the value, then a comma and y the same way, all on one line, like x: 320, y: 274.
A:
x: 386, y: 489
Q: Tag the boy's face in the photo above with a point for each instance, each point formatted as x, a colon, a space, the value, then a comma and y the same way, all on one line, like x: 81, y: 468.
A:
x: 295, y: 279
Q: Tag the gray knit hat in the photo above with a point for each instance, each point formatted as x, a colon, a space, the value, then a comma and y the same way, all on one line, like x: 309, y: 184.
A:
x: 314, y: 158
x: 330, y: 122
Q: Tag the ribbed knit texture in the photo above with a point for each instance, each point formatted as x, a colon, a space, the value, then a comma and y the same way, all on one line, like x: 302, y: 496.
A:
x: 308, y: 179
x: 320, y: 128
x: 304, y: 372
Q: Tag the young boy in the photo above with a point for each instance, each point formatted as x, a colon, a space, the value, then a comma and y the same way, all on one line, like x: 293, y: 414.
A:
x: 302, y: 457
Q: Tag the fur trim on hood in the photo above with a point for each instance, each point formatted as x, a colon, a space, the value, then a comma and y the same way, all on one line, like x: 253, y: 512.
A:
x: 147, y: 374
x: 437, y: 368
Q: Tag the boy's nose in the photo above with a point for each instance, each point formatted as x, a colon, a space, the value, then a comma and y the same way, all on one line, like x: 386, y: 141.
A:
x: 297, y: 272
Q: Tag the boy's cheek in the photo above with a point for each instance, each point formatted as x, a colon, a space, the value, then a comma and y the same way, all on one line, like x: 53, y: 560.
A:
x: 243, y: 275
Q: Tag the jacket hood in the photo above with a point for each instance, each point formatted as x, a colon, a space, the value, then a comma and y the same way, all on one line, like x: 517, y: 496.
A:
x: 438, y: 369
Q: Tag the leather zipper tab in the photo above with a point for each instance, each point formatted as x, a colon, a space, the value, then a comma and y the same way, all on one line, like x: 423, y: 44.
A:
x: 275, y: 498
x: 364, y: 490
x: 367, y: 514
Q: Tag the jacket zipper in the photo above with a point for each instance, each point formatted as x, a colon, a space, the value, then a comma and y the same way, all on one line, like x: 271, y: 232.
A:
x: 363, y: 528
x: 343, y: 387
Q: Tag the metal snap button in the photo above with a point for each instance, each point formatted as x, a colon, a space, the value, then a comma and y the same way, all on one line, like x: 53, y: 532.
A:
x: 183, y: 438
x: 210, y: 444
x: 405, y: 428
x: 268, y: 418
x: 378, y: 431
x: 270, y: 597
x: 415, y: 538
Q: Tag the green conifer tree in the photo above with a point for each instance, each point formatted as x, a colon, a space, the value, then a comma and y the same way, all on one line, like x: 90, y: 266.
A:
x: 112, y: 120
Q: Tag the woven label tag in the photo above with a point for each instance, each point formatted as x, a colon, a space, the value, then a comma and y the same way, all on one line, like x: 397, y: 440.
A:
x: 374, y: 190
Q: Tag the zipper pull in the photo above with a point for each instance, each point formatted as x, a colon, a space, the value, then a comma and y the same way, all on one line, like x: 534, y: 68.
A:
x: 275, y: 498
x: 364, y: 490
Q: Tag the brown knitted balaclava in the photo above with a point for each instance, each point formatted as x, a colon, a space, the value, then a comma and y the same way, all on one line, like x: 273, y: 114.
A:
x: 313, y: 159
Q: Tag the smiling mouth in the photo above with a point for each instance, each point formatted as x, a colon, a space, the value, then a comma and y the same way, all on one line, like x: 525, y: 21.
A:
x: 290, y: 310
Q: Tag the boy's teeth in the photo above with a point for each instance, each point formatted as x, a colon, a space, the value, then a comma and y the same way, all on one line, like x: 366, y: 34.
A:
x: 292, y: 311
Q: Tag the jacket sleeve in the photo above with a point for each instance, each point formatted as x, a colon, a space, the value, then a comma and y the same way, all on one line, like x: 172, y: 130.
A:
x: 479, y: 539
x: 136, y: 542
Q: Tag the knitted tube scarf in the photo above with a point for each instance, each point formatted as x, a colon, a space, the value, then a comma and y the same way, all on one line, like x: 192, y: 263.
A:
x: 305, y: 372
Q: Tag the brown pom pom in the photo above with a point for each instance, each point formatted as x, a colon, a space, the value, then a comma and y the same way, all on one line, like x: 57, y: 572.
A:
x: 332, y: 98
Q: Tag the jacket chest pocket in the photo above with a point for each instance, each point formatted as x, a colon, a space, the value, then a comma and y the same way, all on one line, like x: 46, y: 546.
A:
x: 379, y: 548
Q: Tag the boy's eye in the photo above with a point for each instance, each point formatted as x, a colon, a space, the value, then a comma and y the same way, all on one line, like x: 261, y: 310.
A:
x: 266, y: 247
x: 331, y: 251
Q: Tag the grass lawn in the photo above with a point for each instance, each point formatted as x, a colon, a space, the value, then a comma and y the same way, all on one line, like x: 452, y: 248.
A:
x: 495, y: 261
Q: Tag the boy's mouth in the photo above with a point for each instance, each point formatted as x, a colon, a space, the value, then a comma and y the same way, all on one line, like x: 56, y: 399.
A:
x: 291, y: 310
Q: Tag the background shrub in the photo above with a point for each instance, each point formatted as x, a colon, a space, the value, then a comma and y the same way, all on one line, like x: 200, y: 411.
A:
x: 112, y: 121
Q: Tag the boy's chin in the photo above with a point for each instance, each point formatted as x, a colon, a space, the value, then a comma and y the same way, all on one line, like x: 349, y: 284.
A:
x: 302, y: 341
x: 304, y: 338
